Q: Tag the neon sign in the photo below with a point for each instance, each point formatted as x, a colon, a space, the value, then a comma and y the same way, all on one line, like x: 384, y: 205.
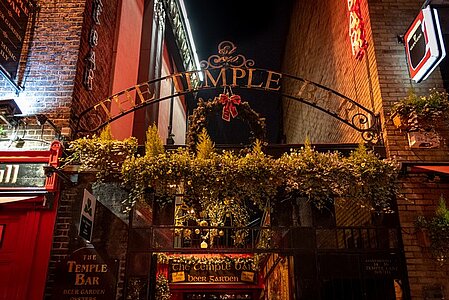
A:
x: 357, y: 29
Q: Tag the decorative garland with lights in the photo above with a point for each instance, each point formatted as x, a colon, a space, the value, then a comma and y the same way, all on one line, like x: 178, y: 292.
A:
x: 221, y: 183
x: 162, y: 288
x: 318, y: 177
x: 227, y: 180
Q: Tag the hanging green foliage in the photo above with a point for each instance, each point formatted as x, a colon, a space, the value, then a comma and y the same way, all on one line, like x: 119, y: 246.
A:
x: 101, y: 153
x: 255, y: 177
x: 437, y: 228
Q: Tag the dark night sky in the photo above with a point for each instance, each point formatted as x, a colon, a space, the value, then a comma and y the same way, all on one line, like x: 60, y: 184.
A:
x: 258, y: 29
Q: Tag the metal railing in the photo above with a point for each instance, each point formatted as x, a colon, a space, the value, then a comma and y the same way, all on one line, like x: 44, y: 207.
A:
x: 168, y: 238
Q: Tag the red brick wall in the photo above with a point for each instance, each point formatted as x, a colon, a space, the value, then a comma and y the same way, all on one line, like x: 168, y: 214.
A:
x: 104, y: 54
x: 318, y: 49
x: 53, y: 82
x: 420, y: 194
x: 50, y: 73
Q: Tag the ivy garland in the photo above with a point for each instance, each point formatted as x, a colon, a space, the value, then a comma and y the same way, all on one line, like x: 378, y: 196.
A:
x: 226, y: 184
x: 198, y: 120
x: 228, y: 178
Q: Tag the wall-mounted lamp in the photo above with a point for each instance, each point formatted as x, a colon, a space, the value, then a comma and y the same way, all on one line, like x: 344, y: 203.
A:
x: 8, y: 108
x: 42, y: 119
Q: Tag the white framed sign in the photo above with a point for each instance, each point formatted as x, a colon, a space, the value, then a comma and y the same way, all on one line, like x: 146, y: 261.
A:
x: 424, y: 44
x: 87, y: 217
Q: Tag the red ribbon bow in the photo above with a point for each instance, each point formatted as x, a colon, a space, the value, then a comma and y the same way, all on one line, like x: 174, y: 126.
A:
x: 229, y: 108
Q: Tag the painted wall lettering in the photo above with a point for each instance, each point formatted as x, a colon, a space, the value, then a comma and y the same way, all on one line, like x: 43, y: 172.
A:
x: 89, y: 74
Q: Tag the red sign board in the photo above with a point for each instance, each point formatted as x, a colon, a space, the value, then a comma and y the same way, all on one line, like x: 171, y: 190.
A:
x: 424, y: 44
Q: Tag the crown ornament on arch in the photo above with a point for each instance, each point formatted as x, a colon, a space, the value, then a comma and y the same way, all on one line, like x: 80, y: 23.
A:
x: 226, y: 57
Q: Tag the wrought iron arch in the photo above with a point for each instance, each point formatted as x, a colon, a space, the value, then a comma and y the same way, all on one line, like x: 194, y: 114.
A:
x: 228, y: 71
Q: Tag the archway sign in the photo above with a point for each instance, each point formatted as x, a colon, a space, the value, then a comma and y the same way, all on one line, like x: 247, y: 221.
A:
x: 228, y: 71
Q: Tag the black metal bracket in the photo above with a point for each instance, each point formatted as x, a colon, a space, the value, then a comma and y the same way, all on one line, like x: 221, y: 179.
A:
x: 50, y: 170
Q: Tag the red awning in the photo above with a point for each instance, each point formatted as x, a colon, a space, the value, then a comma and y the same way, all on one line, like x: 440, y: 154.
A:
x: 427, y: 169
x: 12, y: 199
x: 23, y: 201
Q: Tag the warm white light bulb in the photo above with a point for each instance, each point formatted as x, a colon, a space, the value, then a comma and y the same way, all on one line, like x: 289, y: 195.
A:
x: 203, y: 245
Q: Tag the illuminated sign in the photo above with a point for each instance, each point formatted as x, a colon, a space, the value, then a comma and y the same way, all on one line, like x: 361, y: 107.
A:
x: 357, y: 29
x: 14, y: 16
x: 22, y: 175
x: 424, y: 44
x: 212, y: 271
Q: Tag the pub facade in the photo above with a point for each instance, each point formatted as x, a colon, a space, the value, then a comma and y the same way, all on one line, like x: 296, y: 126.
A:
x: 123, y: 214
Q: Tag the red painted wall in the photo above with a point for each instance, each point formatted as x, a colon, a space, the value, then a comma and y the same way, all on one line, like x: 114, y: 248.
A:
x: 127, y: 60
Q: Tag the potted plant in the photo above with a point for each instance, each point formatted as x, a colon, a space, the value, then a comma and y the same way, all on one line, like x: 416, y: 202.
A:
x: 437, y: 228
x: 421, y: 112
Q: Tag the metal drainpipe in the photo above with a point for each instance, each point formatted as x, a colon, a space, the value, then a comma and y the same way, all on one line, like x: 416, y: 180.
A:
x: 170, y: 140
x: 157, y: 37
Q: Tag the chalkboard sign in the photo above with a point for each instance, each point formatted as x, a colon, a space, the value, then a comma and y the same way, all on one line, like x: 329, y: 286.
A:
x: 14, y: 18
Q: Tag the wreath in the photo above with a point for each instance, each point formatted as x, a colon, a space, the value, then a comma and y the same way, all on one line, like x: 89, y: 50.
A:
x: 231, y: 107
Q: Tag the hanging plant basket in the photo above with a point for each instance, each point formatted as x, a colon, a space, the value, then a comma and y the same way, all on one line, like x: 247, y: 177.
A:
x: 101, y: 154
x: 426, y: 113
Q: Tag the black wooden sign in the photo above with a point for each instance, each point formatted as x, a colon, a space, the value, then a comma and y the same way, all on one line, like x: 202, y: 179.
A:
x: 14, y: 17
x: 85, y: 275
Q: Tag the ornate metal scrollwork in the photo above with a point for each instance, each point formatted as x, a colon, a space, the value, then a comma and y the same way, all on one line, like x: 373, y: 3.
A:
x: 226, y: 57
x: 367, y: 126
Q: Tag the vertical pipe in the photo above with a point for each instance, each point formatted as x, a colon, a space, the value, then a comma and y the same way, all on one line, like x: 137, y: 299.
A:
x: 170, y: 140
